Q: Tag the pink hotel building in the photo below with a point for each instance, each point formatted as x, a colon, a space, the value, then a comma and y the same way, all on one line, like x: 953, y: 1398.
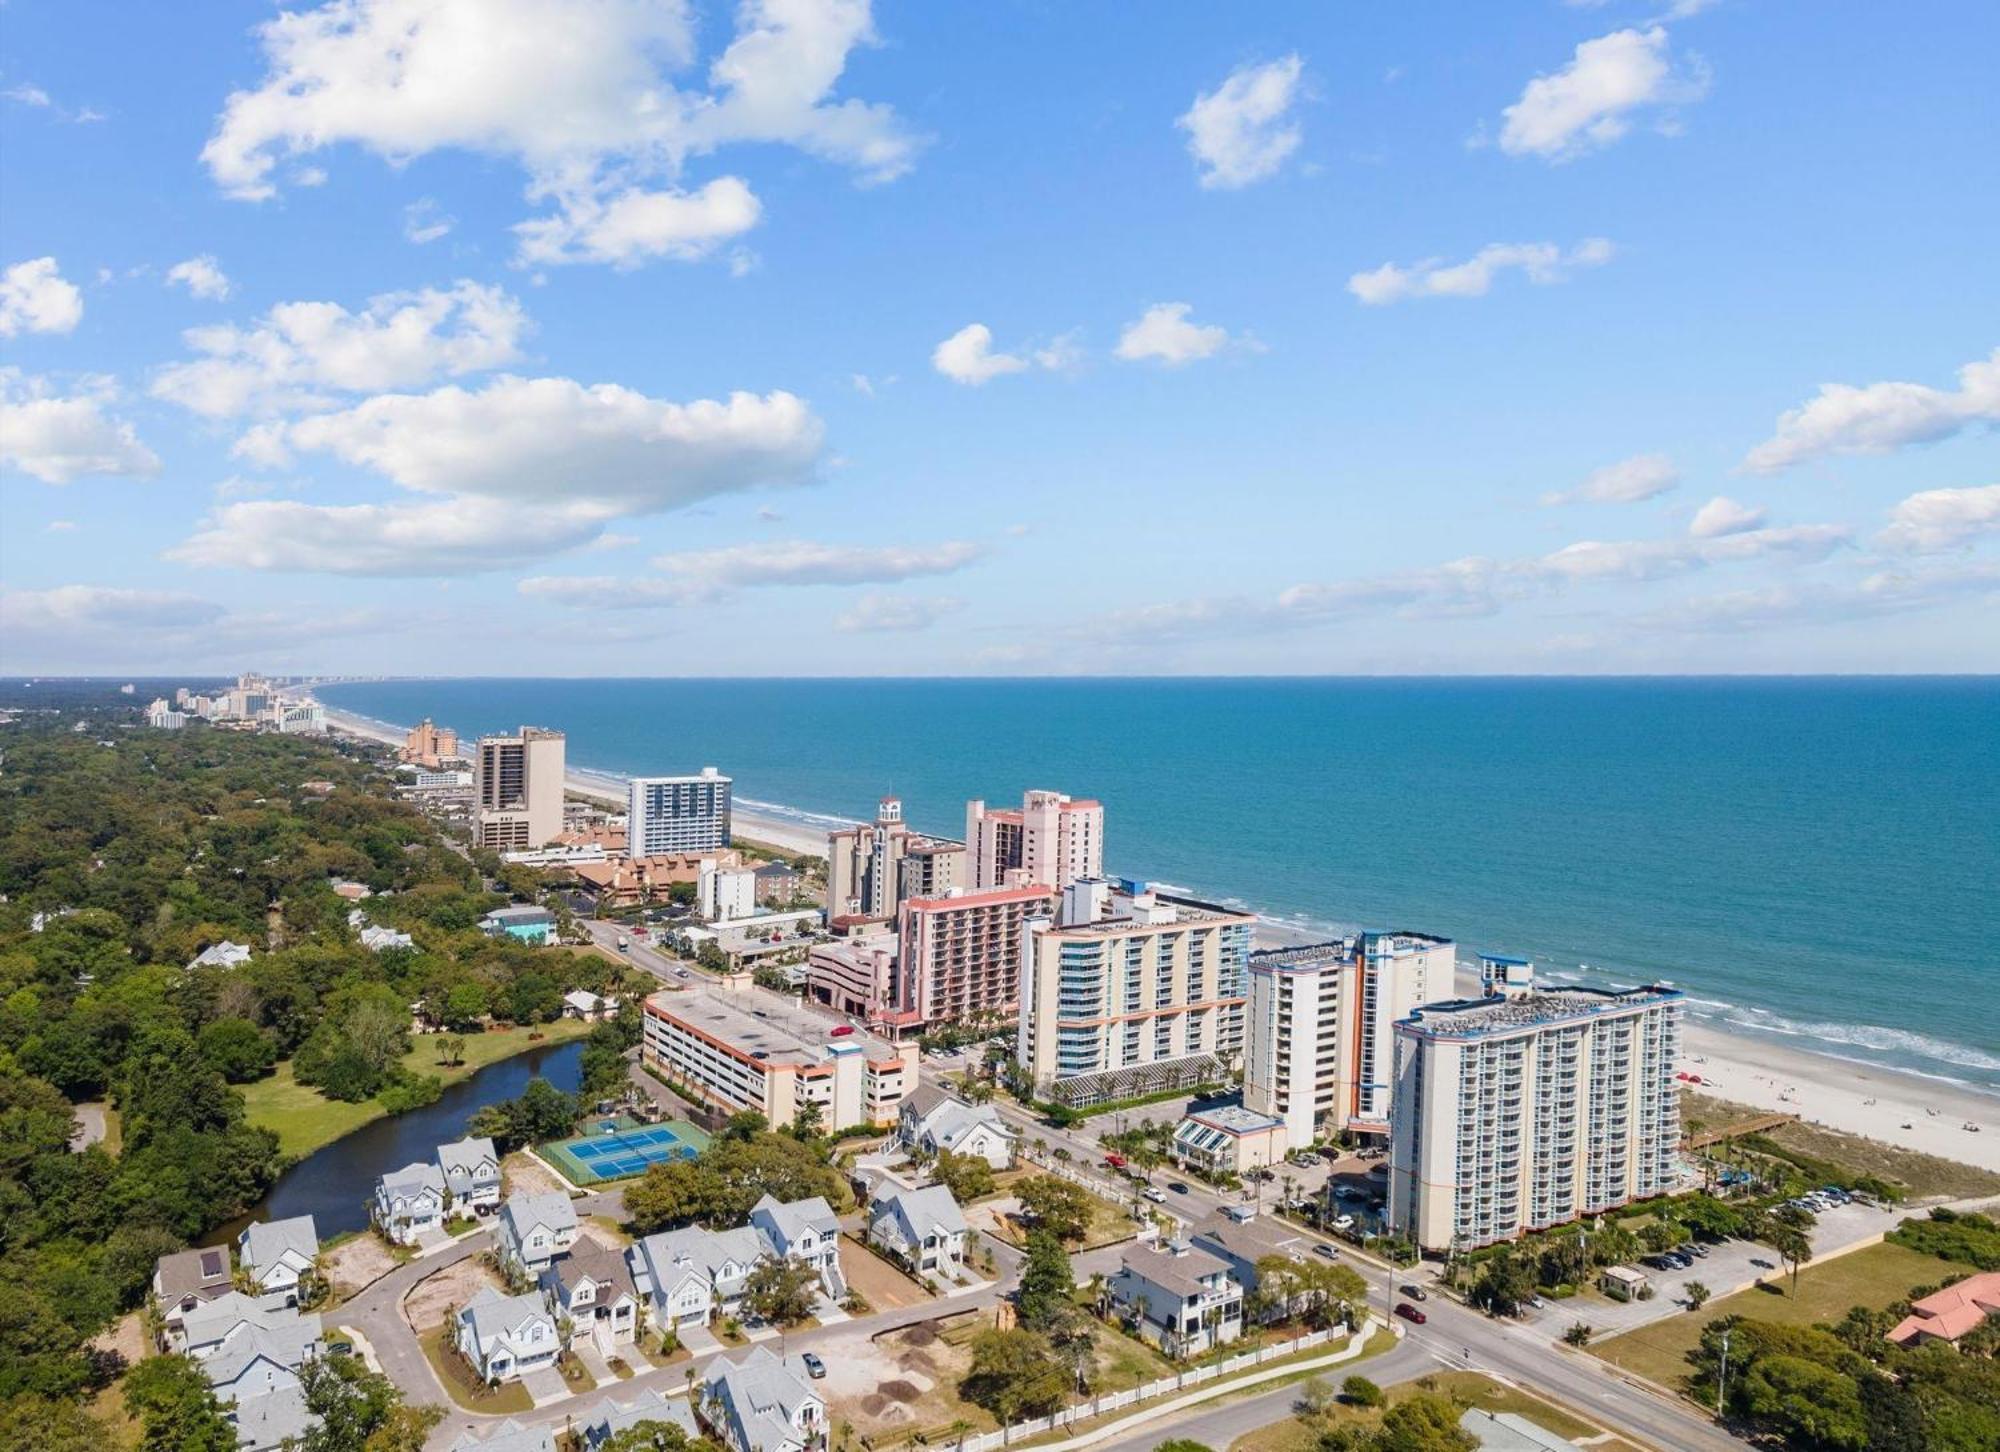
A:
x: 961, y: 956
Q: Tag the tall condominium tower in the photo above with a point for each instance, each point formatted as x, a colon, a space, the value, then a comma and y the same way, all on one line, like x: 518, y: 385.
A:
x: 1530, y: 1107
x: 873, y: 869
x: 517, y: 790
x: 1133, y: 993
x: 429, y: 745
x: 665, y: 814
x: 1052, y: 840
x: 1319, y: 1051
x: 960, y: 954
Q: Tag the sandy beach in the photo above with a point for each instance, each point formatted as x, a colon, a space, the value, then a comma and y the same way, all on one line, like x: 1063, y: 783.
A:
x: 1882, y: 1104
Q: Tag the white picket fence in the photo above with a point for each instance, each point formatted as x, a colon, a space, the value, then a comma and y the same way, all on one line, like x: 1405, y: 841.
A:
x: 1113, y: 1401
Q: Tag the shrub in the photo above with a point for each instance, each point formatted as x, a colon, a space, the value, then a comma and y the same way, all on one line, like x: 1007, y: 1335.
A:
x: 1578, y: 1334
x: 1361, y: 1392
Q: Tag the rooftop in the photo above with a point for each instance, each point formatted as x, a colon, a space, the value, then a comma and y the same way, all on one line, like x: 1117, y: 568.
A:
x: 1472, y: 1017
x: 1235, y: 1119
x: 1188, y: 912
x: 765, y: 1026
x: 1336, y: 951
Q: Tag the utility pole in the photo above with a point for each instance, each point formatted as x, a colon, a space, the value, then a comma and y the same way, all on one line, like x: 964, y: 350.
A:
x: 1722, y: 1377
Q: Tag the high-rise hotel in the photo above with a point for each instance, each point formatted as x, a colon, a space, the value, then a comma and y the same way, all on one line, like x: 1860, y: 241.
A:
x: 1319, y: 1034
x: 673, y: 814
x: 1530, y: 1107
x: 517, y: 790
x: 1131, y: 992
x: 1052, y: 840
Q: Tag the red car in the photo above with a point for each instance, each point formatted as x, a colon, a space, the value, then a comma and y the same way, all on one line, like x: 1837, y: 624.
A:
x: 1410, y: 1313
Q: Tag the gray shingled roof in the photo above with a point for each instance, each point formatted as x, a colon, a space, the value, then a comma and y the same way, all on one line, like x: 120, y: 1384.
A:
x: 413, y: 1179
x: 759, y: 1394
x: 795, y: 1217
x: 509, y: 1436
x: 266, y: 1240
x: 931, y: 1210
x: 523, y: 1213
x: 271, y: 1418
x: 608, y: 1418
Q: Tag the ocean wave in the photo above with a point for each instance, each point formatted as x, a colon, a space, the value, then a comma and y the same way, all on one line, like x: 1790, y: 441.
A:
x: 1859, y: 1036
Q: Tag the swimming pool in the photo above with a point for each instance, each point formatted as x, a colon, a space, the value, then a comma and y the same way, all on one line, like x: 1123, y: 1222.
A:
x: 591, y: 1158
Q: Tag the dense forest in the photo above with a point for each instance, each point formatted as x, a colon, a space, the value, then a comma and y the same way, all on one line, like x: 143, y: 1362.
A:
x: 124, y: 853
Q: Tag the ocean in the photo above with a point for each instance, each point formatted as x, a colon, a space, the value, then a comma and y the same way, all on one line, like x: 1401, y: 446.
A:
x: 1814, y: 860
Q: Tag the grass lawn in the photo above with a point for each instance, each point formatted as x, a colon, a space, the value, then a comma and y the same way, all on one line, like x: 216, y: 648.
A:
x: 1468, y: 1388
x: 305, y: 1119
x: 1925, y: 1176
x: 465, y: 1387
x: 1876, y: 1275
x: 1108, y: 1223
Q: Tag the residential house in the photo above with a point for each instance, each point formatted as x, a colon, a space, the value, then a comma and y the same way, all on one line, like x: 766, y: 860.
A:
x: 252, y: 1358
x: 763, y: 1404
x: 535, y: 1229
x: 688, y: 1276
x: 932, y: 1121
x: 409, y: 1202
x: 472, y: 1173
x: 381, y: 940
x: 589, y: 1007
x: 184, y: 1281
x: 805, y: 1231
x: 594, y: 1289
x: 608, y: 1419
x: 923, y: 1226
x: 509, y: 1436
x: 205, y: 1327
x: 1183, y: 1300
x: 1948, y: 1314
x: 276, y: 1255
x: 1243, y: 1243
x: 507, y: 1337
x: 270, y: 1420
x: 221, y: 955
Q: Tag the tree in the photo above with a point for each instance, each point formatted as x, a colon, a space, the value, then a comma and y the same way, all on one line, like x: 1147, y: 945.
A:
x: 807, y: 1120
x: 47, y: 1425
x: 1579, y: 1334
x: 1058, y: 1206
x: 781, y: 1290
x: 360, y: 1411
x: 1316, y: 1398
x: 236, y: 1049
x: 1504, y: 1283
x: 1697, y: 1295
x: 176, y: 1408
x: 968, y: 1177
x: 1793, y: 1245
x: 465, y: 1004
x: 1013, y: 1375
x: 1048, y: 1282
x: 534, y: 998
x: 655, y: 1437
x: 1361, y: 1392
x: 544, y: 1112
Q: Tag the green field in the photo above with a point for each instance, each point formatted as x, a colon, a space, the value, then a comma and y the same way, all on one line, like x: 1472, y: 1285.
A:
x: 305, y: 1119
x: 1468, y: 1388
x: 1875, y: 1275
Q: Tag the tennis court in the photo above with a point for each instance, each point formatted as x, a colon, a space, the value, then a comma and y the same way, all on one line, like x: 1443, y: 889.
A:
x: 590, y: 1159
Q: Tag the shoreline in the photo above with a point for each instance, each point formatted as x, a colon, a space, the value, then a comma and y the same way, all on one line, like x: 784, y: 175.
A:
x: 1824, y: 1089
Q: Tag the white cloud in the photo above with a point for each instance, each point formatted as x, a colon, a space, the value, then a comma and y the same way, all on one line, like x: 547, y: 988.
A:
x: 201, y: 277
x: 1164, y: 334
x: 34, y: 298
x: 447, y: 537
x: 545, y: 439
x: 301, y: 353
x: 1243, y: 130
x: 1629, y: 481
x: 1660, y: 559
x: 703, y: 576
x: 1723, y: 515
x: 876, y: 612
x: 1540, y: 262
x: 1942, y: 519
x: 636, y: 225
x: 130, y: 629
x: 579, y: 95
x: 425, y: 221
x: 1880, y: 418
x: 967, y: 357
x: 61, y: 526
x: 1590, y: 102
x: 1883, y: 593
x: 59, y: 438
x: 73, y: 607
x: 26, y: 93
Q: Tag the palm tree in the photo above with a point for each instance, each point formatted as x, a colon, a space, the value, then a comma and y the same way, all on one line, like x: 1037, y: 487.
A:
x: 1794, y: 1248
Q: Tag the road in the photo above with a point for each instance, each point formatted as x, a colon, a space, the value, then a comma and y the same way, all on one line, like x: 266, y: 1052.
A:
x: 667, y: 969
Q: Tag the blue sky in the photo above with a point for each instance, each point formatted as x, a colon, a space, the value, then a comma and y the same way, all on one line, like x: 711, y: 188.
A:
x: 639, y: 337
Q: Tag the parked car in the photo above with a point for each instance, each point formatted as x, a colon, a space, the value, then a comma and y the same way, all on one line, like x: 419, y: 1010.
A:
x: 1343, y: 1222
x: 1410, y: 1313
x: 1538, y: 1302
x: 815, y: 1368
x: 1415, y: 1292
x: 1155, y: 1194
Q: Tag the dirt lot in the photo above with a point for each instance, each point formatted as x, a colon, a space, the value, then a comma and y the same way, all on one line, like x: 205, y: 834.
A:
x: 357, y: 1262
x: 885, y: 1287
x: 126, y: 1336
x: 453, y: 1286
x: 522, y: 1174
x: 906, y: 1380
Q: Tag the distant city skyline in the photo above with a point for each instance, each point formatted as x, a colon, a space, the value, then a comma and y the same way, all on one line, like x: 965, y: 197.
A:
x: 635, y: 337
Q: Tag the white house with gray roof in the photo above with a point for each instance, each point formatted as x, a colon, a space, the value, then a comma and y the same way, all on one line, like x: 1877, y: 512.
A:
x: 1183, y: 1300
x: 924, y: 1226
x: 806, y: 1231
x: 253, y: 1366
x: 506, y: 1337
x: 535, y: 1229
x: 763, y: 1404
x: 509, y: 1436
x: 472, y: 1173
x: 277, y: 1254
x: 690, y: 1275
x: 221, y: 955
x: 932, y: 1121
x: 607, y: 1419
x: 409, y: 1202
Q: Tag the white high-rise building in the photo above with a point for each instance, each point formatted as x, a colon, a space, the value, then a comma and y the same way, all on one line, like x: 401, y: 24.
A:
x: 1052, y: 841
x: 667, y: 814
x: 724, y: 893
x: 1531, y: 1107
x: 1318, y: 1035
x: 517, y: 790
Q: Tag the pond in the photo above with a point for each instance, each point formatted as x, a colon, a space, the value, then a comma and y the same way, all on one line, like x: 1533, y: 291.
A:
x: 335, y: 1184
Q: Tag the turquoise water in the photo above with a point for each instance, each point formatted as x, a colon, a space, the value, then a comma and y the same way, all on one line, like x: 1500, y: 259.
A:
x: 1816, y: 859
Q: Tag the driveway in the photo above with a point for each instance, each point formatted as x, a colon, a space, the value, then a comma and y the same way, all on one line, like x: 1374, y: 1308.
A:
x: 545, y: 1386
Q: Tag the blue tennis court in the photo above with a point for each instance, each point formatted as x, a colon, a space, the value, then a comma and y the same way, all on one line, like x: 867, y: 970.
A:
x: 591, y: 1158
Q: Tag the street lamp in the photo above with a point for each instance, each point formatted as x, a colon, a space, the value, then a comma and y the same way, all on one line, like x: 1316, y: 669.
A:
x: 1722, y: 1376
